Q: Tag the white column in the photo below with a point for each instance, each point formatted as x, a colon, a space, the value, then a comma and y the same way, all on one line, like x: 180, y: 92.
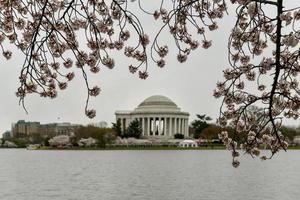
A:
x: 179, y: 124
x: 165, y: 126
x: 151, y: 125
x: 159, y: 126
x: 170, y: 127
x: 175, y: 128
x: 148, y: 126
x: 187, y: 127
x: 154, y: 126
x: 157, y: 122
x: 184, y: 127
x: 143, y: 126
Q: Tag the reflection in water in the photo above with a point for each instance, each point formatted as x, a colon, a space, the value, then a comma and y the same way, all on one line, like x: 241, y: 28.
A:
x: 145, y: 175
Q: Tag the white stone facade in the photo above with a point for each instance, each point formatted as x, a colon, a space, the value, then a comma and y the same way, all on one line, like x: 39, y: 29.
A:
x: 159, y: 117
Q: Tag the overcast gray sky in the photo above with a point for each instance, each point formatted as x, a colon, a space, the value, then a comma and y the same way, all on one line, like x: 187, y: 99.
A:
x: 189, y: 85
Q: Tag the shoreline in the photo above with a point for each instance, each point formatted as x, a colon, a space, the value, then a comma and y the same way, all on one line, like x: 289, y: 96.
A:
x: 134, y: 148
x: 139, y: 148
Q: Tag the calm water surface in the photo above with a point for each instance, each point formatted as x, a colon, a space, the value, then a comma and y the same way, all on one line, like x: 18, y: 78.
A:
x: 145, y: 175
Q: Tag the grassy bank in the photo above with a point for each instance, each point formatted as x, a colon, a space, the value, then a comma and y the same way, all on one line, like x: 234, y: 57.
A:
x: 137, y: 148
x: 219, y: 147
x: 210, y: 147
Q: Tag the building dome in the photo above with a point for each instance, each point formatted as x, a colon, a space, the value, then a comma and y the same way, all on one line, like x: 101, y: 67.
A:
x: 157, y: 103
x: 157, y: 100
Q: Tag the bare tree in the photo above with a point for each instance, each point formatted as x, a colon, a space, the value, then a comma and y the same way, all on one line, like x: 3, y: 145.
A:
x: 47, y: 31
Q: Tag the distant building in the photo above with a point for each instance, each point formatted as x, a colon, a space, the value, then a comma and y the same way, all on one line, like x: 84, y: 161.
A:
x: 6, y: 135
x: 55, y: 129
x: 23, y: 129
x: 159, y: 117
x: 296, y: 140
x: 102, y: 124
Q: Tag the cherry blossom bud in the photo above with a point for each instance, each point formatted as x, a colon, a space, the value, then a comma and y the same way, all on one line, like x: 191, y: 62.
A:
x: 95, y: 69
x: 143, y: 74
x: 161, y: 63
x: 181, y: 58
x: 206, y: 44
x: 235, y: 163
x: 156, y: 14
x: 62, y: 86
x: 7, y: 54
x: 263, y: 158
x: 70, y: 76
x: 68, y: 63
x: 90, y: 113
x: 94, y: 91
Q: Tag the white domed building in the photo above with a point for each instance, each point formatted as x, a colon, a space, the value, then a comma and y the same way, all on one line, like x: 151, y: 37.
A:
x: 159, y: 117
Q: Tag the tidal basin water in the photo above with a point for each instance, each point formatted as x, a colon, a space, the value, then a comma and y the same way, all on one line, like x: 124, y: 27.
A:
x: 145, y: 175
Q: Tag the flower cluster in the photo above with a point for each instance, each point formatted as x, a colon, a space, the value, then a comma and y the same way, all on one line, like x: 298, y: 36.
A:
x: 187, y: 17
x: 231, y: 145
x: 258, y: 113
x: 47, y: 32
